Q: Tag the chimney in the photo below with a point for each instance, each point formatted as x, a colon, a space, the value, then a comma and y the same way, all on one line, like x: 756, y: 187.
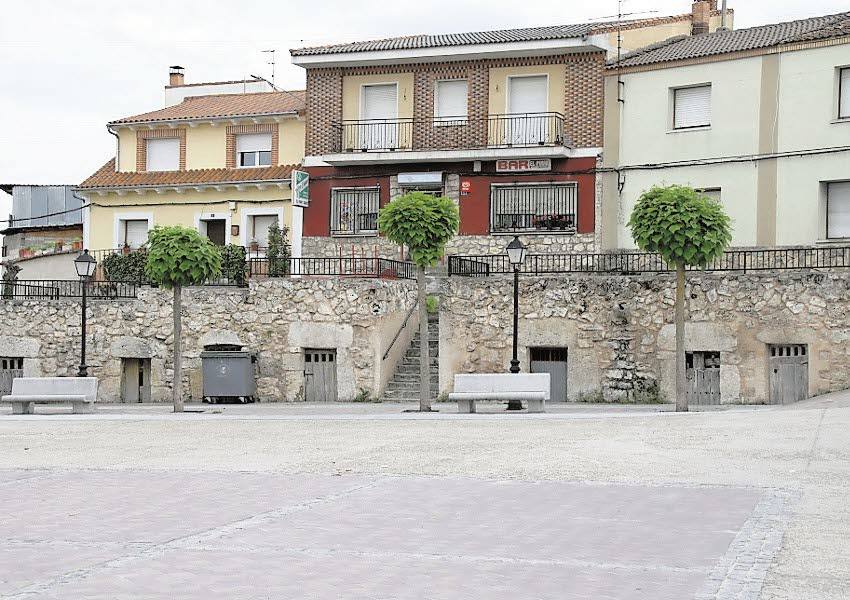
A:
x: 175, y: 76
x: 700, y: 14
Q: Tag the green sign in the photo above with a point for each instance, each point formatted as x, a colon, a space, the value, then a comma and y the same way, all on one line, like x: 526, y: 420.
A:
x: 300, y: 189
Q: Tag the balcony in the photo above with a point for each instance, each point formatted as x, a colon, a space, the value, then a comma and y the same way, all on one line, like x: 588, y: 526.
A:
x: 376, y: 140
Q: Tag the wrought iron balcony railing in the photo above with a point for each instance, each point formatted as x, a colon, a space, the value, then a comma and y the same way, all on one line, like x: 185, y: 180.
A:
x: 521, y: 130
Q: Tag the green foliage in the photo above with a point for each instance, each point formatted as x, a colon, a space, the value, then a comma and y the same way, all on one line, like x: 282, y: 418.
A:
x: 647, y: 391
x: 10, y: 276
x: 233, y: 264
x: 125, y: 267
x: 179, y: 256
x: 422, y: 223
x: 432, y: 304
x: 278, y: 251
x: 593, y: 397
x: 363, y: 396
x: 681, y: 224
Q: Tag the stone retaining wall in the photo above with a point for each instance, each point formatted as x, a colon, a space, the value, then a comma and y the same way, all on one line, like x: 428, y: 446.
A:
x: 620, y: 335
x: 277, y: 318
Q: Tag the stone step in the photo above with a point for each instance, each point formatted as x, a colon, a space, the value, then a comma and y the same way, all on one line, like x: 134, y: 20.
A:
x: 402, y: 377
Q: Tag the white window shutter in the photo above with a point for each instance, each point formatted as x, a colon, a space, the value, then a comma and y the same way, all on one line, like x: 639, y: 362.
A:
x: 162, y: 154
x: 254, y: 142
x: 380, y: 101
x: 528, y: 94
x: 451, y: 98
x: 261, y: 228
x: 844, y: 94
x: 692, y: 107
x: 838, y: 209
x: 136, y: 231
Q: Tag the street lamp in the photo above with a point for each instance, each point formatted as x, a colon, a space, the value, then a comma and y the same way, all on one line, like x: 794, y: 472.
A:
x: 85, y: 266
x: 516, y: 256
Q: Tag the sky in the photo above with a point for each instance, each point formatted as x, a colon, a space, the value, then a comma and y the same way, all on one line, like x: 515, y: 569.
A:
x: 68, y: 67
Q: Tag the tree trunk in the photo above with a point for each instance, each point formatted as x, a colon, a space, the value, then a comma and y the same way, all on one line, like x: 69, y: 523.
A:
x: 681, y: 391
x: 177, y: 386
x: 424, y: 347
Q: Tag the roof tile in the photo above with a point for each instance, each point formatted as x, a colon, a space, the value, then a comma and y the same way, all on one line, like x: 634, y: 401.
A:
x: 223, y: 106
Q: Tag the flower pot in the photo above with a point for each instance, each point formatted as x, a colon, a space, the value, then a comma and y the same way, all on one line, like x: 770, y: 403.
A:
x: 76, y: 245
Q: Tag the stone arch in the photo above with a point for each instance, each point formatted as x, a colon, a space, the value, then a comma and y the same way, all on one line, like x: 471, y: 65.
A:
x: 130, y: 347
x: 216, y: 337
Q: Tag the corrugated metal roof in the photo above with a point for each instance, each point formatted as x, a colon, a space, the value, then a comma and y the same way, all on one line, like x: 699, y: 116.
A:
x: 415, y: 42
x: 739, y: 40
x: 224, y: 105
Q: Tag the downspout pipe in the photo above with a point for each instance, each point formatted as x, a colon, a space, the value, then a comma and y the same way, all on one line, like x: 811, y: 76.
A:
x: 117, y: 147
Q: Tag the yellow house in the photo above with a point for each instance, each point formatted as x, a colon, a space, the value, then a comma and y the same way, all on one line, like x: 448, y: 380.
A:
x: 219, y: 163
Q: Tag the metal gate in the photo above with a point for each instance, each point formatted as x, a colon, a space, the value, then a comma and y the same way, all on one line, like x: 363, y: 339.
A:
x: 788, y: 373
x: 9, y: 369
x: 554, y: 362
x: 320, y: 375
x: 702, y: 371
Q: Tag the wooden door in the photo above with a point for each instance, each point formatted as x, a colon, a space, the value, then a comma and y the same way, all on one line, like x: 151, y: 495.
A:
x: 554, y: 362
x: 702, y: 374
x: 788, y: 373
x: 320, y: 375
x: 216, y: 232
x: 135, y: 380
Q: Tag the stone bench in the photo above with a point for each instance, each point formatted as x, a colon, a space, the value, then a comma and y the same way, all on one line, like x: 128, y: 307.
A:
x: 529, y: 387
x: 79, y: 392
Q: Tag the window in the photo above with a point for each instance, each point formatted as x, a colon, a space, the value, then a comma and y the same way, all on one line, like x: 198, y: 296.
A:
x: 450, y: 101
x: 534, y: 207
x: 692, y: 107
x: 254, y: 150
x: 844, y: 93
x: 354, y: 211
x: 162, y: 154
x: 713, y: 193
x: 838, y: 209
x: 133, y: 232
x: 258, y: 228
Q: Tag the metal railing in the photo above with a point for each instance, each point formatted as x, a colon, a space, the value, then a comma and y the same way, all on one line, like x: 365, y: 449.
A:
x: 648, y: 262
x: 53, y: 289
x: 401, y: 328
x: 373, y: 267
x: 534, y: 207
x: 450, y: 133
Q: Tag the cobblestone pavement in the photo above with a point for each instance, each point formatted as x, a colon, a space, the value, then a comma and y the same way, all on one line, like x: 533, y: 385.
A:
x: 354, y: 504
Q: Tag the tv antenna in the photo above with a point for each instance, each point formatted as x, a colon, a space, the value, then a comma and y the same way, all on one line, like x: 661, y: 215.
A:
x: 272, y: 62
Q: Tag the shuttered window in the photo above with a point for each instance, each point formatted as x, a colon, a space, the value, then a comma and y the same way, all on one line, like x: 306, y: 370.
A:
x: 162, y: 154
x: 450, y: 100
x: 380, y: 101
x: 838, y: 209
x: 844, y: 93
x: 134, y: 232
x: 254, y: 149
x: 692, y: 107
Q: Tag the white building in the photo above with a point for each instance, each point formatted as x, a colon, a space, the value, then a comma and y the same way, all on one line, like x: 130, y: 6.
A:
x: 759, y: 118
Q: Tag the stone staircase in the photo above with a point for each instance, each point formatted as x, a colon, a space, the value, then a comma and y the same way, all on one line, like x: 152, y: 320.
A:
x: 404, y: 385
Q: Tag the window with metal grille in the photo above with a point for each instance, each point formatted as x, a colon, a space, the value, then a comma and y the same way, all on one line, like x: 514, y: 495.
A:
x: 354, y: 211
x: 692, y: 107
x: 534, y: 207
x: 11, y: 363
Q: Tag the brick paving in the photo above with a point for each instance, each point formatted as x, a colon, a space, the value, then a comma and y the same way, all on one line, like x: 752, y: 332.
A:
x: 177, y: 534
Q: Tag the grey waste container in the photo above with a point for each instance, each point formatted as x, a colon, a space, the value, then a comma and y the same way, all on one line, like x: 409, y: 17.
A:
x: 228, y: 375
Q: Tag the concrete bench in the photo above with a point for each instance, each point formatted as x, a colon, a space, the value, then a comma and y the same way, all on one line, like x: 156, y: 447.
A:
x: 79, y: 392
x: 529, y: 387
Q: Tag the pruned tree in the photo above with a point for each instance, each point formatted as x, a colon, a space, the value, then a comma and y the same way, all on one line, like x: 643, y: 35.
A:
x: 278, y: 253
x: 688, y: 229
x: 177, y: 257
x: 424, y: 224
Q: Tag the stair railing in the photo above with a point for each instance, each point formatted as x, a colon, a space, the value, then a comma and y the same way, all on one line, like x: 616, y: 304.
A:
x: 400, y: 329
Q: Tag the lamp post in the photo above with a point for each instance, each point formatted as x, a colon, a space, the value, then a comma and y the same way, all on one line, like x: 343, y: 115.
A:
x: 85, y: 266
x: 516, y: 256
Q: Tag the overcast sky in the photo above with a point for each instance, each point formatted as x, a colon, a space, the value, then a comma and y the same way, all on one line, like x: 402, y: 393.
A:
x: 69, y: 67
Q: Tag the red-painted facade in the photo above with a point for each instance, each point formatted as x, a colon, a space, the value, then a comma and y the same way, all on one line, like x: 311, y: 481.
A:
x: 475, y: 194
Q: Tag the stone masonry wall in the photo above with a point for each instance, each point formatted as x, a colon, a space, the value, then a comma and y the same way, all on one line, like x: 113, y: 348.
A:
x: 620, y: 335
x: 277, y: 318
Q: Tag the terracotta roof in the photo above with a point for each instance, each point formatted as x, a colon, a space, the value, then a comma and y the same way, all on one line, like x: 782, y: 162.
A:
x: 223, y: 106
x: 107, y: 178
x: 739, y: 40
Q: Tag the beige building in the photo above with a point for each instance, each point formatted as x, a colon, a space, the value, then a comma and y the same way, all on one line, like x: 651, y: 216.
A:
x: 759, y: 118
x: 220, y: 163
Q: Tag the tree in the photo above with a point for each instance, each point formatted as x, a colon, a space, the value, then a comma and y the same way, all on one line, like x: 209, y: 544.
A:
x: 688, y: 229
x: 278, y: 251
x: 177, y: 257
x: 424, y: 224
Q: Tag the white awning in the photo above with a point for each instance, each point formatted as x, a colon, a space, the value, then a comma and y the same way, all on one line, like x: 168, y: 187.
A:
x: 433, y: 179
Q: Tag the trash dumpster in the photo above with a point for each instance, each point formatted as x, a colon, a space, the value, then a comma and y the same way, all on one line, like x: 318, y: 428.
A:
x: 228, y: 374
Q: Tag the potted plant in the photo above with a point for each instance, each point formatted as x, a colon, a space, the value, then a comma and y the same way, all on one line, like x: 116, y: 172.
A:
x: 125, y: 249
x: 254, y: 246
x: 58, y: 245
x: 25, y: 252
x: 77, y: 244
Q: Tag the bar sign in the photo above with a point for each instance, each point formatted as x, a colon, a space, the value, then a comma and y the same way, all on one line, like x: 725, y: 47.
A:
x: 523, y: 165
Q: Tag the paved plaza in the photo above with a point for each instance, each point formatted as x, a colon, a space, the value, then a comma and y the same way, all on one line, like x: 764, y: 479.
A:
x: 369, y: 502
